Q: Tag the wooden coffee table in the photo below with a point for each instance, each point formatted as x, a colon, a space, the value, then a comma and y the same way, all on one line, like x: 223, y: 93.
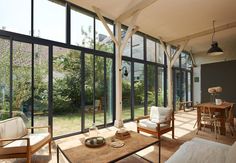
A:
x: 106, y: 153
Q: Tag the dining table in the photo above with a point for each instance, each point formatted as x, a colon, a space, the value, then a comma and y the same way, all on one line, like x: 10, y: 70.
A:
x: 221, y: 110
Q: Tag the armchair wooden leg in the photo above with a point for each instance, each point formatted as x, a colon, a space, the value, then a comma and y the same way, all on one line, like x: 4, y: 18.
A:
x: 50, y: 149
x: 28, y: 158
x: 173, y: 134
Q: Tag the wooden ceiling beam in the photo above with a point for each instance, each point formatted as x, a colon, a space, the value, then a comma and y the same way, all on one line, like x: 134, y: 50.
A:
x: 178, y: 52
x: 203, y: 33
x: 137, y: 8
x: 97, y: 10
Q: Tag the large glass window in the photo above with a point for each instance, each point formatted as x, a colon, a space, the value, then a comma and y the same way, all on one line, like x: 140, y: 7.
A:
x: 184, y: 58
x: 99, y: 90
x: 160, y: 55
x: 184, y: 86
x: 137, y: 46
x: 22, y: 70
x: 151, y: 86
x: 16, y: 16
x: 90, y: 104
x: 151, y: 50
x: 40, y: 85
x: 127, y: 50
x: 30, y: 93
x: 172, y: 51
x: 82, y: 29
x: 66, y: 91
x: 138, y: 89
x: 50, y: 20
x: 109, y: 90
x: 4, y: 79
x: 160, y: 82
x: 103, y: 39
x: 186, y: 61
x: 177, y: 85
x: 126, y: 90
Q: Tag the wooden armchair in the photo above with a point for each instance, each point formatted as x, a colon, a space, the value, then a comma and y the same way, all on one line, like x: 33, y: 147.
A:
x: 16, y: 142
x: 160, y: 121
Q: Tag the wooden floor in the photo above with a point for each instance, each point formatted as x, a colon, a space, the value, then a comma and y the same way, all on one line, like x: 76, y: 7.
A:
x: 184, y: 131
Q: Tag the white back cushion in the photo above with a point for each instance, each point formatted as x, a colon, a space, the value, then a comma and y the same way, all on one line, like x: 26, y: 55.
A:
x: 231, y: 155
x: 12, y: 128
x: 159, y: 114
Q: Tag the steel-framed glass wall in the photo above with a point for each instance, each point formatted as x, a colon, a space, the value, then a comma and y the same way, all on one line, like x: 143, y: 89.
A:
x: 48, y: 78
x: 182, y: 73
x: 145, y: 84
x: 61, y: 71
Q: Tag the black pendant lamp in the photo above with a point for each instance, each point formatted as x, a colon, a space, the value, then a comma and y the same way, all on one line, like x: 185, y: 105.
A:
x: 215, y: 49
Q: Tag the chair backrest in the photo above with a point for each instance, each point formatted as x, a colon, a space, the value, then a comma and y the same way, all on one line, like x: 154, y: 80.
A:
x: 158, y: 114
x: 12, y: 128
x: 206, y: 111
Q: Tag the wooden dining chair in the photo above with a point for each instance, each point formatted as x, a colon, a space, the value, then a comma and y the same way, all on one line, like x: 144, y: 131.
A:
x: 208, y: 118
x: 229, y: 122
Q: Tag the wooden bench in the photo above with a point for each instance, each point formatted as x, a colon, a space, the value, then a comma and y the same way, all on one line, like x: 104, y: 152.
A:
x: 185, y: 104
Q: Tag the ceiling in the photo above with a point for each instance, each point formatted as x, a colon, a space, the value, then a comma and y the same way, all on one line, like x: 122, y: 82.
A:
x: 174, y: 19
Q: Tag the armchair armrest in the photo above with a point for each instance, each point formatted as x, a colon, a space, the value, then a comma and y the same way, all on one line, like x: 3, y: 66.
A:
x: 162, y: 122
x: 38, y: 127
x: 142, y: 117
x: 14, y: 139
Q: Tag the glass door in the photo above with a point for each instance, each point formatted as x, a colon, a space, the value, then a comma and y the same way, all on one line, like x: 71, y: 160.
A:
x: 66, y: 91
x: 4, y: 78
x: 98, y: 107
x: 177, y: 88
x: 40, y: 85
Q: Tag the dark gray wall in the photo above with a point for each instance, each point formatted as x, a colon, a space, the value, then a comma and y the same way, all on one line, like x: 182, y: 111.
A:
x: 219, y: 74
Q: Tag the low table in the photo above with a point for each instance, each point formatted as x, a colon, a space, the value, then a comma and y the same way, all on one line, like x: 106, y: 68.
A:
x: 106, y: 153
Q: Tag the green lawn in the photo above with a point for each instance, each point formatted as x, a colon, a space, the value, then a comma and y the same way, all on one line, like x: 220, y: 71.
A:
x: 71, y: 122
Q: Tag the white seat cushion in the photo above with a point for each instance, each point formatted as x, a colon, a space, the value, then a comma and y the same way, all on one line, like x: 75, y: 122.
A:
x: 148, y: 124
x: 20, y: 146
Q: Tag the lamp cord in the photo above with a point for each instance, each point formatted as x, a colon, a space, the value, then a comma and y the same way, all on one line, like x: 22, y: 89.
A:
x: 212, y: 39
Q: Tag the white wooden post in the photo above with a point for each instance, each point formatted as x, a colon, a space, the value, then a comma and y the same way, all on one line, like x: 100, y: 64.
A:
x: 169, y: 78
x: 118, y: 69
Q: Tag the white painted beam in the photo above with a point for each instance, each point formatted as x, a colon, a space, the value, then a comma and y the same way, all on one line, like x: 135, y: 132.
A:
x: 203, y: 33
x: 138, y: 7
x: 165, y: 49
x: 193, y: 59
x: 178, y: 52
x: 105, y: 24
x: 118, y: 69
x: 131, y: 30
x: 127, y: 36
x: 170, y: 84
